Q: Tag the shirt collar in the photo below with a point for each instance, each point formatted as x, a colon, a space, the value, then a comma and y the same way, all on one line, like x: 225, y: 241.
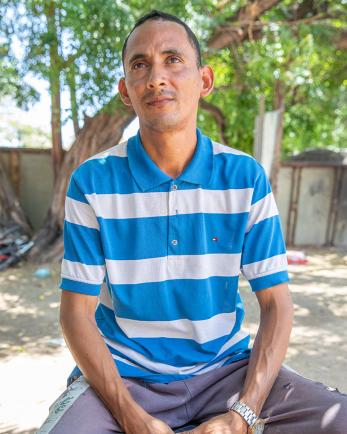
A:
x: 148, y: 175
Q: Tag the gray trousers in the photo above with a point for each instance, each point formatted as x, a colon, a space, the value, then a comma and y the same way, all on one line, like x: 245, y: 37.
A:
x: 296, y: 405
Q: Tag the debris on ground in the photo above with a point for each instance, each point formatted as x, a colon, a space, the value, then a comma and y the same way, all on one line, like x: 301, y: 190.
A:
x: 296, y: 257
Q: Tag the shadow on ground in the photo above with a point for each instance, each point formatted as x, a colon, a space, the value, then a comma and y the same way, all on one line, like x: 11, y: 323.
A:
x: 29, y: 310
x: 318, y: 345
x: 16, y: 431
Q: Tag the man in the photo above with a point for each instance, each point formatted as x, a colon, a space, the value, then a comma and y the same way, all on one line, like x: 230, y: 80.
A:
x: 157, y: 229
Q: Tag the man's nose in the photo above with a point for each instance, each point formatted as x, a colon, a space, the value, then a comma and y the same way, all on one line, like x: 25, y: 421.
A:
x: 157, y: 77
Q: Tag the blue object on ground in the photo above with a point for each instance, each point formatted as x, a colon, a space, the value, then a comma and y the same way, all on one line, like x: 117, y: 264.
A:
x: 42, y: 273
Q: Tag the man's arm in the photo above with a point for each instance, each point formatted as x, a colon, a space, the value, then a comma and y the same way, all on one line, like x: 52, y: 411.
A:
x: 77, y: 317
x: 265, y: 266
x: 270, y: 345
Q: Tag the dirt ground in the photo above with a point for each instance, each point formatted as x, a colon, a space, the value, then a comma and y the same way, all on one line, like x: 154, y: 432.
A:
x: 34, y: 363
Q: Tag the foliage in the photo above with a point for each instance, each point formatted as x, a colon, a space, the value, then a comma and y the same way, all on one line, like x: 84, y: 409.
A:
x: 12, y: 81
x: 300, y: 53
x: 89, y: 37
x: 305, y: 58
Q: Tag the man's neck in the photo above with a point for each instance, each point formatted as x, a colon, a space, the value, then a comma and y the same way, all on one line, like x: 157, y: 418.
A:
x: 172, y: 150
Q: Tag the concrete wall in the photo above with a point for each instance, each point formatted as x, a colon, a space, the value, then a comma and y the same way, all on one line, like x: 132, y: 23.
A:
x: 32, y: 178
x: 314, y: 206
x: 315, y: 222
x: 340, y: 238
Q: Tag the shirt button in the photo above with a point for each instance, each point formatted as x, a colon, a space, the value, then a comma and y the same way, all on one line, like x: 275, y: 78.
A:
x: 174, y: 187
x: 174, y: 242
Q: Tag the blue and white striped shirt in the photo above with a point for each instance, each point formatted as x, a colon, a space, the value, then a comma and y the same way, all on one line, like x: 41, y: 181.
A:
x: 164, y: 254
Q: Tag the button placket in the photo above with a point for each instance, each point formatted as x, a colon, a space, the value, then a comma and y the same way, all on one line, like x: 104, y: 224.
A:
x: 172, y: 222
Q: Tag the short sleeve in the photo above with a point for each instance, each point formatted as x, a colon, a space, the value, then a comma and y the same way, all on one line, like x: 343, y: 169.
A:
x: 83, y: 264
x: 264, y: 260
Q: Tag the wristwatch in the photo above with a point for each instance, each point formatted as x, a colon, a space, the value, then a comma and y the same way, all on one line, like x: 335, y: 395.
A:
x: 256, y: 424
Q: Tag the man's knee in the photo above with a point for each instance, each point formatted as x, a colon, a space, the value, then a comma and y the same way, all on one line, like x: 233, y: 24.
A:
x: 334, y: 419
x: 79, y: 410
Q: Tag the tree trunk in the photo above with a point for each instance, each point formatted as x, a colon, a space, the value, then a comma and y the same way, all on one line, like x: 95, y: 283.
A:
x: 54, y: 87
x: 71, y: 79
x: 10, y: 209
x: 101, y: 132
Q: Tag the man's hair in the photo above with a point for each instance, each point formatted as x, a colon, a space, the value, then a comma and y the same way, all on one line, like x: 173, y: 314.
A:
x: 158, y: 15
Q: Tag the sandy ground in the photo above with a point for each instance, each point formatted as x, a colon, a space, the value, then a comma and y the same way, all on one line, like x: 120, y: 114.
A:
x: 34, y: 367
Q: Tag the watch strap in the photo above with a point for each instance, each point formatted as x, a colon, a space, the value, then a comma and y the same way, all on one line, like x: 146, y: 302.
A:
x: 246, y: 412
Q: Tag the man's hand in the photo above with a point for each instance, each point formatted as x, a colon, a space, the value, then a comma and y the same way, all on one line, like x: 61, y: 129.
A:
x: 228, y: 423
x: 144, y: 423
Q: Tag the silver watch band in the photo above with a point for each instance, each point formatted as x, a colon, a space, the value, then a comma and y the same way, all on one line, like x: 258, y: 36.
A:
x: 243, y: 410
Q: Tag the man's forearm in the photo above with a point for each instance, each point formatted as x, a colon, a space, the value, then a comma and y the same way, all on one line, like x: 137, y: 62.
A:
x: 96, y: 363
x: 269, y: 350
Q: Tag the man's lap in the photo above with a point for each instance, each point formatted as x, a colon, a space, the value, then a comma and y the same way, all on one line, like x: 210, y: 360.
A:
x: 295, y: 404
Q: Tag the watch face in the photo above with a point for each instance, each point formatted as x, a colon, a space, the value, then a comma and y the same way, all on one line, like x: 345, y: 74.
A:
x: 258, y: 427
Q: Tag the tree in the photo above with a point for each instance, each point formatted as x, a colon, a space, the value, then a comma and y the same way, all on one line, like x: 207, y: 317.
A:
x: 68, y: 44
x: 10, y: 84
x: 252, y: 47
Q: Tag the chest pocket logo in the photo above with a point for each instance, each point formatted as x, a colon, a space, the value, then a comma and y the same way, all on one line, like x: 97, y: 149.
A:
x: 222, y: 245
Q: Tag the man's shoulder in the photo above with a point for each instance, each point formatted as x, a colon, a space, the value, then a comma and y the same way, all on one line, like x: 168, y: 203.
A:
x: 119, y: 150
x: 236, y: 160
x: 219, y: 148
x: 101, y: 161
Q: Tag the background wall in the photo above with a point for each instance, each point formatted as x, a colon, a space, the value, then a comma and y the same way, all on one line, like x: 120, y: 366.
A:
x: 312, y: 200
x: 31, y: 174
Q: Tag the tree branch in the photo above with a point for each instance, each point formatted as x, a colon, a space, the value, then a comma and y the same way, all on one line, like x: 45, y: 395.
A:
x: 245, y: 24
x: 226, y: 34
x: 238, y: 68
x: 71, y: 79
x: 218, y: 115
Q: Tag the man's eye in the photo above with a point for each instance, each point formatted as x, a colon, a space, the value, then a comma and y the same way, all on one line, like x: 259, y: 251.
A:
x: 141, y: 65
x: 174, y: 58
x: 137, y: 65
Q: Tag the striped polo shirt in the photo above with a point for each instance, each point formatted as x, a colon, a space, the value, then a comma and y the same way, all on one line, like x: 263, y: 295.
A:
x: 164, y: 255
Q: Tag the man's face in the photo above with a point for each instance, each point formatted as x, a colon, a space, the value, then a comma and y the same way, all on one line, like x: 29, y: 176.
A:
x: 163, y: 82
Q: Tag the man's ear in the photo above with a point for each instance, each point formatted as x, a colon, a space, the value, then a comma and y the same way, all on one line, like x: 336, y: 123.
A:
x: 123, y: 92
x: 207, y: 80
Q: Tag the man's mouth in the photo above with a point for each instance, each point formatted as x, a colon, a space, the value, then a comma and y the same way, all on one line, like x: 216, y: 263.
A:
x: 159, y: 102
